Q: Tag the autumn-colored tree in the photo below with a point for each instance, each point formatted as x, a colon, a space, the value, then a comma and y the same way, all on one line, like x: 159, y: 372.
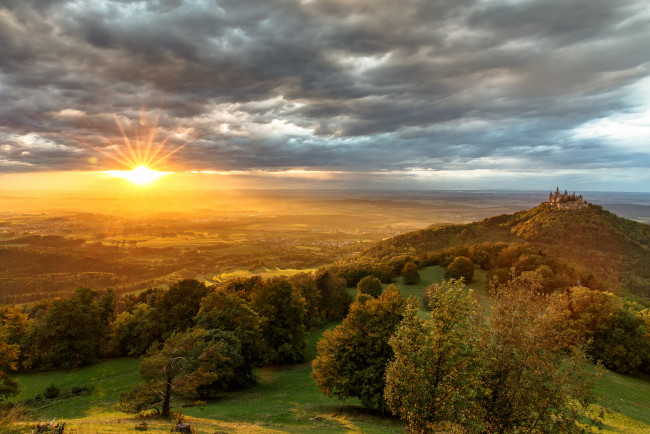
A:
x: 369, y: 285
x: 534, y: 377
x: 432, y: 380
x: 186, y: 361
x: 410, y: 274
x: 16, y: 326
x: 583, y: 310
x: 352, y: 357
x: 461, y: 267
x: 8, y: 362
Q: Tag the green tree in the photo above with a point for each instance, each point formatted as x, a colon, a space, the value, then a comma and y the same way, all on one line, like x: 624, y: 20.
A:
x: 186, y: 361
x: 461, y: 267
x: 179, y: 305
x: 410, y: 274
x: 333, y: 298
x: 369, y: 285
x: 282, y: 311
x: 622, y: 341
x: 433, y: 377
x: 73, y: 332
x: 132, y: 333
x: 221, y: 310
x: 352, y: 357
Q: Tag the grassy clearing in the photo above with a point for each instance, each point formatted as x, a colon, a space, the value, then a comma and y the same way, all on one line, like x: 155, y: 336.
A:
x: 287, y: 399
x: 109, y: 379
x: 435, y: 274
x: 627, y: 400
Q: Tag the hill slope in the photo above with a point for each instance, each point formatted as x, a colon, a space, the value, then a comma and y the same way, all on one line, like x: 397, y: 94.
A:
x: 615, y: 250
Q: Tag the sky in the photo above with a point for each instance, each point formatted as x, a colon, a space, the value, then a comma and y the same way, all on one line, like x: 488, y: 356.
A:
x: 422, y: 94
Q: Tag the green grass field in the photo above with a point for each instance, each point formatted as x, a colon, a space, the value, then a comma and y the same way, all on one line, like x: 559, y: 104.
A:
x: 286, y: 398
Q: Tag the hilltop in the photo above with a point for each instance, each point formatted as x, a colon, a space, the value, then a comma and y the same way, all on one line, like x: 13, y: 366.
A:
x: 595, y: 242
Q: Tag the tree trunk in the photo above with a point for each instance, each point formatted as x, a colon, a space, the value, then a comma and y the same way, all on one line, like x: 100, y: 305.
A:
x: 167, y: 398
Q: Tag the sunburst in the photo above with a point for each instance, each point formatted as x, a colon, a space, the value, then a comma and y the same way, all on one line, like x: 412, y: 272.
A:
x: 142, y: 156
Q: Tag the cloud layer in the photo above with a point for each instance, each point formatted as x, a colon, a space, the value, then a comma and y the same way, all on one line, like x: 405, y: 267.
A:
x: 363, y: 86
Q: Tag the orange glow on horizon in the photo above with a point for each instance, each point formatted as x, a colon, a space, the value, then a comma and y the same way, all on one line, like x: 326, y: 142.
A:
x: 141, y: 175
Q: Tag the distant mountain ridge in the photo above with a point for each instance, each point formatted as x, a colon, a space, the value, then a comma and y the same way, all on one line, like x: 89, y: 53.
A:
x: 614, y: 249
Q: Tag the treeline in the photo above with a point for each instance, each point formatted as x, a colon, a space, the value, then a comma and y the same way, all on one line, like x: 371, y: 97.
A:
x: 618, y: 333
x: 527, y: 369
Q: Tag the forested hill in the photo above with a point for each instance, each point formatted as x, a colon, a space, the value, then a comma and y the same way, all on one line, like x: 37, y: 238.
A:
x: 594, y: 241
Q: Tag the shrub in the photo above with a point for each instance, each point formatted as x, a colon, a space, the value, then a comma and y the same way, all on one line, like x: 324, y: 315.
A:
x: 410, y: 274
x: 51, y: 392
x: 369, y: 285
x: 460, y: 267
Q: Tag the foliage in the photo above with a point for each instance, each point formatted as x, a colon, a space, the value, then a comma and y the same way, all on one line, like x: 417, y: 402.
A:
x: 8, y: 358
x: 51, y: 392
x: 622, y: 341
x: 15, y: 328
x: 73, y: 332
x: 133, y: 332
x: 179, y: 305
x: 432, y: 379
x: 354, y: 272
x: 185, y: 362
x: 583, y: 310
x: 282, y: 320
x: 352, y: 357
x: 410, y: 274
x: 370, y: 285
x: 221, y: 310
x: 461, y: 267
x: 534, y: 377
x: 333, y: 298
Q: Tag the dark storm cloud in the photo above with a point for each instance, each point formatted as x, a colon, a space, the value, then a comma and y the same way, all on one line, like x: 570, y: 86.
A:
x: 360, y: 85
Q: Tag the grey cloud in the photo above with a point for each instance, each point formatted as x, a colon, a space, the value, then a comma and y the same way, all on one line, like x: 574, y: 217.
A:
x: 371, y: 85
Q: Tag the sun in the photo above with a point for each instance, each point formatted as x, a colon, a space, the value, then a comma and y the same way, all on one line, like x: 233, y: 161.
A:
x: 140, y: 152
x: 141, y: 175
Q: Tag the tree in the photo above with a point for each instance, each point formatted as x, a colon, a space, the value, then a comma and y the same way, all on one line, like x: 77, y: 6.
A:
x: 460, y: 267
x: 179, y: 305
x: 186, y: 361
x: 622, y: 341
x: 432, y: 379
x: 221, y: 310
x: 410, y: 274
x: 73, y: 332
x: 534, y: 377
x: 132, y: 333
x: 282, y: 312
x: 8, y: 362
x: 16, y: 325
x: 333, y: 298
x: 352, y: 357
x: 369, y: 285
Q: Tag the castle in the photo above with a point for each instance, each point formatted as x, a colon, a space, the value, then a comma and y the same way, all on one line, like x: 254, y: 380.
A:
x: 565, y: 200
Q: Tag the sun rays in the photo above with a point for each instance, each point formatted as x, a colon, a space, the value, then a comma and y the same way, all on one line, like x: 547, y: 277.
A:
x: 143, y: 158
